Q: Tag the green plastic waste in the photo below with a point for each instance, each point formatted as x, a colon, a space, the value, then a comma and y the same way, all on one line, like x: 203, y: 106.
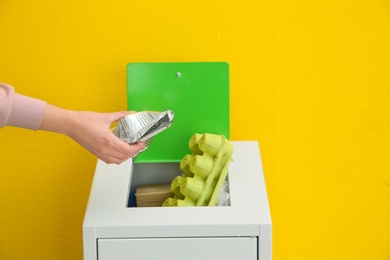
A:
x: 204, y: 172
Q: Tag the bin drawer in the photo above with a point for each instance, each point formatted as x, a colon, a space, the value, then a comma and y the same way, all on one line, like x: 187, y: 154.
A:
x: 213, y: 248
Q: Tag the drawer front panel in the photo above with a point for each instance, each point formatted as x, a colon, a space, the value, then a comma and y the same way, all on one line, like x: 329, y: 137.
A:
x: 214, y: 248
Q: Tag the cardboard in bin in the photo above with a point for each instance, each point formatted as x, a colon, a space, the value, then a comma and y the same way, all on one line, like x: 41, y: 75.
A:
x: 153, y: 195
x: 197, y: 93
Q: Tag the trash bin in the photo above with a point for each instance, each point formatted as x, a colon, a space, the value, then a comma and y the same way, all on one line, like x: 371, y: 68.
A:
x: 112, y: 230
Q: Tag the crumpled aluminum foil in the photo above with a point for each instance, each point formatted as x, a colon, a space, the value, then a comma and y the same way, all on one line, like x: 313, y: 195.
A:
x: 143, y: 126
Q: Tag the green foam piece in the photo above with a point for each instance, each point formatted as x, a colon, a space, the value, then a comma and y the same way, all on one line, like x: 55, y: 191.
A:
x: 185, y: 203
x: 170, y: 202
x: 197, y: 93
x: 208, y: 171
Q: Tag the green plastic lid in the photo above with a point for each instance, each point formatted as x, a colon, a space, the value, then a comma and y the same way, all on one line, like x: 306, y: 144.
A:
x: 197, y: 93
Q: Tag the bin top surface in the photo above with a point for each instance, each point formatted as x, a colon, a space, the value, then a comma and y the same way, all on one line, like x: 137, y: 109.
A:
x: 108, y: 200
x: 197, y: 93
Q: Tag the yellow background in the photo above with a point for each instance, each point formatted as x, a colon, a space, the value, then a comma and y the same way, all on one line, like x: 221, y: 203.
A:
x: 310, y: 80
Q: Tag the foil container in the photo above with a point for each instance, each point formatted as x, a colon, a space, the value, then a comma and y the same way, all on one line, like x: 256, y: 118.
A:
x: 143, y: 126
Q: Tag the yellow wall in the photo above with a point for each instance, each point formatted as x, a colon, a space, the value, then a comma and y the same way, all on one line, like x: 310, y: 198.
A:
x: 309, y: 80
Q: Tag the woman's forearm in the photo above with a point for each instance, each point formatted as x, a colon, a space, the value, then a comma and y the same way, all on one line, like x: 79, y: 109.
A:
x: 90, y: 129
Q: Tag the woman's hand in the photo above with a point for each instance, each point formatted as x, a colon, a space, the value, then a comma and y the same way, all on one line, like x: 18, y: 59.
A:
x: 92, y: 131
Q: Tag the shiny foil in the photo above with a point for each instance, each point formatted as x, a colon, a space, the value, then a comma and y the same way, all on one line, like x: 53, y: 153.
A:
x: 143, y: 126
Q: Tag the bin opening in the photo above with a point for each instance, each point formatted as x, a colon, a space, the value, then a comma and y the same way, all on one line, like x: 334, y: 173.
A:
x: 200, y: 179
x: 154, y: 180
